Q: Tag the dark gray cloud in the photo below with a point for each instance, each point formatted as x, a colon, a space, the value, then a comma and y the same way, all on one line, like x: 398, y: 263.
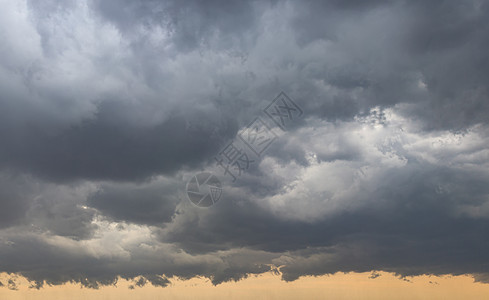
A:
x: 108, y: 107
x: 100, y: 149
x: 152, y: 203
x: 408, y: 224
x: 191, y: 24
x: 395, y: 52
x: 14, y: 200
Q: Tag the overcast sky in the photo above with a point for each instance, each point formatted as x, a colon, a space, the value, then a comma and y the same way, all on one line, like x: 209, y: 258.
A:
x: 107, y: 108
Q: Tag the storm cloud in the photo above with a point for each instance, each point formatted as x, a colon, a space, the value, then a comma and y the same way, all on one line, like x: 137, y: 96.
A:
x: 107, y: 108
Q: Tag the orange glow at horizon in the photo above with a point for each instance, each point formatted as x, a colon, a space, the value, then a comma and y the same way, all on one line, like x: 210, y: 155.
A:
x: 268, y: 286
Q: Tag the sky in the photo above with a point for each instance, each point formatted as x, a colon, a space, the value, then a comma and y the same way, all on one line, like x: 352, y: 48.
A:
x: 109, y: 108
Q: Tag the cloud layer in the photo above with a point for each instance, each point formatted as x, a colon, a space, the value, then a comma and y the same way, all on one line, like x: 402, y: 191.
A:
x: 107, y: 108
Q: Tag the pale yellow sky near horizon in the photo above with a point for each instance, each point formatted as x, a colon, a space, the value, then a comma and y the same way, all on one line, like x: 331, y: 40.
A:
x: 268, y: 286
